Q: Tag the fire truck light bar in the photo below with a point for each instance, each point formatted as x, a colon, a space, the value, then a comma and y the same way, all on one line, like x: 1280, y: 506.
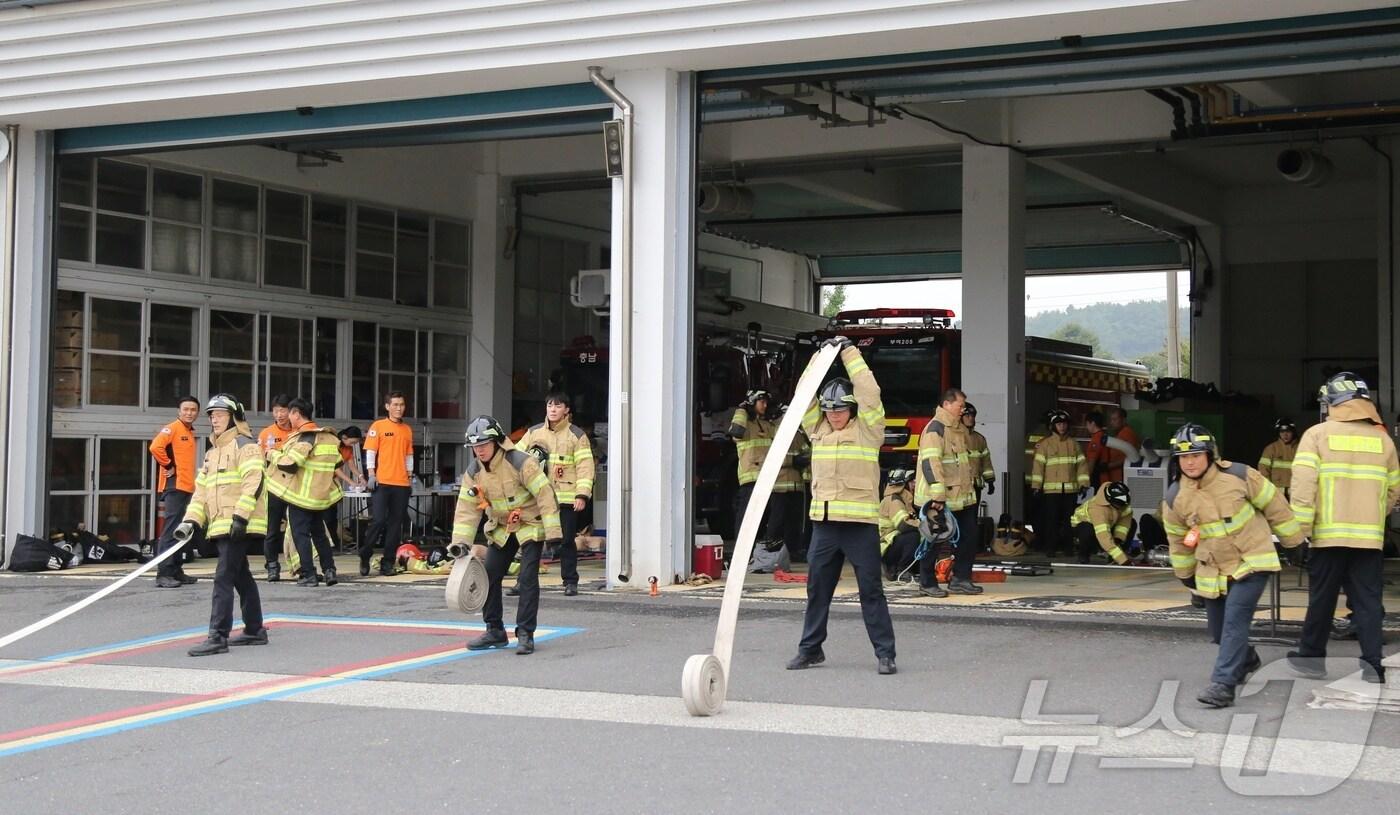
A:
x: 880, y: 313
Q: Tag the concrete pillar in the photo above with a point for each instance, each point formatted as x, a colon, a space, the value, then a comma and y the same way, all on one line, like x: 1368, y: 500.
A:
x: 663, y: 237
x: 1209, y: 352
x: 1388, y: 263
x: 26, y: 469
x: 994, y: 310
x: 493, y: 297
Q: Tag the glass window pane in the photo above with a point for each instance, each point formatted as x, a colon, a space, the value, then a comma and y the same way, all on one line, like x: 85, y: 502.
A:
x: 232, y: 377
x: 284, y: 264
x: 116, y: 325
x: 450, y: 284
x: 123, y: 462
x: 374, y: 230
x: 396, y: 351
x: 175, y: 249
x: 374, y: 276
x: 67, y: 336
x: 234, y: 257
x: 334, y: 213
x: 447, y: 397
x: 551, y: 317
x: 285, y: 215
x: 527, y: 314
x: 328, y: 258
x: 412, y: 261
x: 67, y: 511
x: 235, y: 205
x: 75, y: 181
x: 527, y: 367
x: 169, y: 380
x: 120, y: 517
x: 412, y: 289
x: 450, y: 243
x: 68, y: 465
x: 230, y: 337
x: 172, y: 329
x: 363, y: 356
x: 527, y: 261
x: 291, y: 381
x: 363, y: 401
x: 287, y: 341
x: 121, y: 241
x: 115, y: 380
x: 121, y: 187
x: 325, y: 366
x: 401, y: 382
x: 178, y: 196
x: 74, y: 231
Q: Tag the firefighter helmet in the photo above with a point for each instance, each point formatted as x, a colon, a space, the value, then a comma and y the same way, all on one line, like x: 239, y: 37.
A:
x: 408, y: 552
x: 935, y: 523
x: 1054, y: 417
x: 1117, y: 493
x: 1343, y: 387
x: 900, y: 476
x: 969, y: 409
x: 437, y: 556
x: 484, y: 429
x: 541, y: 455
x: 838, y: 394
x: 753, y: 396
x: 1285, y: 424
x: 225, y: 401
x: 1193, y: 438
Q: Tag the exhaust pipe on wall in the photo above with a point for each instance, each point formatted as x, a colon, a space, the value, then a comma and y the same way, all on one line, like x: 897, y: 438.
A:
x: 9, y: 139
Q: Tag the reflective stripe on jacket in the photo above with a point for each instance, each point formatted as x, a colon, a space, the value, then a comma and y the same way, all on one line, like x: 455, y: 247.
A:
x: 302, y: 472
x: 570, y: 458
x: 945, y: 469
x: 230, y: 483
x: 790, y: 478
x: 1276, y: 463
x: 1059, y: 466
x: 896, y: 514
x: 1234, y: 508
x: 752, y: 436
x: 1031, y: 441
x: 1346, y: 479
x: 846, y: 462
x: 512, y: 493
x: 981, y: 457
x: 1111, y: 524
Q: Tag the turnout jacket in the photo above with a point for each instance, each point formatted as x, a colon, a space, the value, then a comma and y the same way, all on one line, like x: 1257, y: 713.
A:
x: 752, y: 436
x: 513, y: 495
x: 1234, y: 508
x: 846, y: 462
x: 1346, y: 478
x: 981, y: 457
x: 1276, y: 463
x: 302, y: 471
x: 945, y: 467
x: 1110, y: 523
x: 1059, y: 466
x: 570, y: 458
x: 896, y: 514
x: 229, y: 483
x: 793, y: 478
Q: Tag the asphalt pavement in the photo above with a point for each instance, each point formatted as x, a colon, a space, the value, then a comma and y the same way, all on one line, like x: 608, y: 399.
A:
x: 365, y: 701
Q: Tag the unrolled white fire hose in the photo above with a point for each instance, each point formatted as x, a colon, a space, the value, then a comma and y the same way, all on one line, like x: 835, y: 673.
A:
x: 10, y: 639
x: 468, y: 584
x: 706, y: 676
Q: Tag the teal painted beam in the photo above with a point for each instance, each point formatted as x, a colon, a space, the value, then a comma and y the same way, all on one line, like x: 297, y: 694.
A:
x: 1039, y: 260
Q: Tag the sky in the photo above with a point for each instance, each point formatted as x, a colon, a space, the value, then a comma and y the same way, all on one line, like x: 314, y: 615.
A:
x: 1042, y: 293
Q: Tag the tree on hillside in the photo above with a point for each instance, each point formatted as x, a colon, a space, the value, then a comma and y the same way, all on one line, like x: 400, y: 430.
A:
x: 833, y: 300
x: 1156, y: 362
x: 1074, y: 332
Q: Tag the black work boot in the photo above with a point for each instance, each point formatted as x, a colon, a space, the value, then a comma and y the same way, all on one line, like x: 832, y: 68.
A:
x: 961, y: 585
x: 186, y: 579
x: 166, y: 582
x: 258, y: 637
x: 274, y: 572
x: 214, y: 645
x: 886, y: 666
x: 1251, y: 664
x: 570, y: 589
x: 1307, y: 667
x: 308, y: 578
x: 524, y: 643
x: 490, y: 638
x: 330, y: 577
x: 933, y: 590
x: 364, y: 568
x: 1375, y: 674
x: 1217, y: 695
x: 513, y: 591
x: 802, y: 661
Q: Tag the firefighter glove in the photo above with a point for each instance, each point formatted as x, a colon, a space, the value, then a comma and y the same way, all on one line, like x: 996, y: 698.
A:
x: 1189, y: 582
x: 238, y: 528
x: 801, y: 462
x: 837, y: 342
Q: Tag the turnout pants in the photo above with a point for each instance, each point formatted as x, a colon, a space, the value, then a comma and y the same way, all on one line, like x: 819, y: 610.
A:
x: 1086, y: 543
x: 232, y: 574
x: 176, y: 502
x: 272, y: 543
x: 833, y: 542
x: 741, y: 505
x: 387, y: 508
x: 969, y: 540
x: 900, y: 556
x: 785, y: 513
x: 1055, y: 509
x: 1228, y: 619
x: 309, y: 529
x: 498, y: 560
x: 1332, y: 569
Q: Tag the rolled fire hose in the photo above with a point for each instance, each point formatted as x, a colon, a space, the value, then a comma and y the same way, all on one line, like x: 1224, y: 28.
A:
x: 10, y: 639
x: 1130, y: 452
x: 706, y: 676
x: 468, y: 584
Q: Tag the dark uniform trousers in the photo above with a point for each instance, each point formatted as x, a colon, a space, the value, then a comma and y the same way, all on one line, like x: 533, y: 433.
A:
x: 1055, y: 509
x: 969, y: 539
x: 272, y: 543
x: 309, y: 529
x: 387, y: 508
x: 833, y: 543
x: 176, y: 502
x: 498, y: 560
x: 785, y: 513
x: 899, y: 555
x: 1358, y: 572
x: 232, y: 574
x: 1228, y: 618
x: 568, y: 548
x: 741, y: 506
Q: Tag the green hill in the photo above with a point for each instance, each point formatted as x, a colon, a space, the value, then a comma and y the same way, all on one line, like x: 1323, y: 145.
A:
x: 1127, y: 331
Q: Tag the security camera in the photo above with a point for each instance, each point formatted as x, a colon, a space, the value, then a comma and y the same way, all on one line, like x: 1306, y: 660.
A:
x: 1307, y: 167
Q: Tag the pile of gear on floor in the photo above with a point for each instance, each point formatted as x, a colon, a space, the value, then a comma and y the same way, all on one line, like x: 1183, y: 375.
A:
x: 65, y: 550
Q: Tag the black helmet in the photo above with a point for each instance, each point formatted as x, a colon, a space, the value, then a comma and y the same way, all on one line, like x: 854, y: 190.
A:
x: 1343, y: 387
x: 1054, y: 417
x: 836, y: 395
x: 754, y: 395
x: 900, y: 476
x: 541, y: 455
x: 225, y: 401
x: 1193, y: 438
x: 484, y: 429
x: 969, y: 409
x: 1117, y: 493
x: 1285, y: 424
x: 437, y: 556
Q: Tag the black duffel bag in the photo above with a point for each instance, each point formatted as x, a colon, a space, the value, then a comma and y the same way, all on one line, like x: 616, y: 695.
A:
x: 32, y: 554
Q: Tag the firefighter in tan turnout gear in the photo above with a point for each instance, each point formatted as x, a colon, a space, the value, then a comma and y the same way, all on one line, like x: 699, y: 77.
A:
x: 1059, y: 473
x: 1276, y: 462
x: 1346, y: 480
x: 947, y: 473
x: 302, y: 474
x: 979, y: 454
x: 568, y: 461
x: 846, y: 426
x: 506, y: 487
x: 1104, y: 522
x: 230, y: 505
x: 1218, y: 517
